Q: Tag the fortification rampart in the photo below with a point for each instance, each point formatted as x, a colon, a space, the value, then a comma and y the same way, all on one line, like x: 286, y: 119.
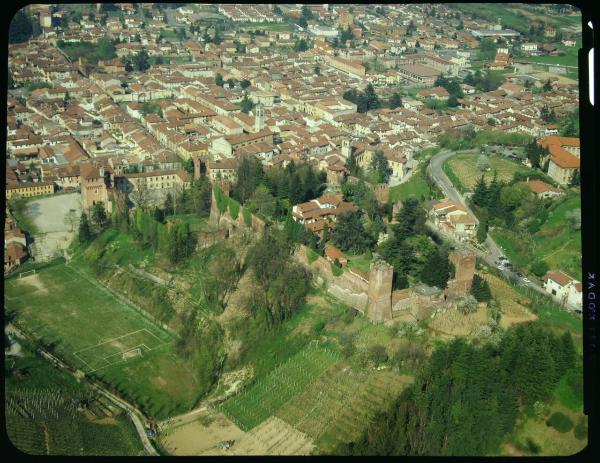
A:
x: 221, y: 208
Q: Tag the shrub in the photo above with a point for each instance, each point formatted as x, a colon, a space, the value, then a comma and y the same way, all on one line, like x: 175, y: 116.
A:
x: 221, y: 199
x: 234, y: 208
x: 377, y: 354
x: 311, y: 255
x: 480, y: 289
x: 337, y: 271
x: 539, y: 268
x: 318, y: 326
x: 532, y: 446
x: 247, y: 217
x: 560, y: 422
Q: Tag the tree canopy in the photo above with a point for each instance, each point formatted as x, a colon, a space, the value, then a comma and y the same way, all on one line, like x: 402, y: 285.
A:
x: 350, y: 233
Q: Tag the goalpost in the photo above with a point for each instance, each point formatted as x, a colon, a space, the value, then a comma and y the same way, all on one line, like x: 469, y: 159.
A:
x: 133, y: 353
x: 27, y: 273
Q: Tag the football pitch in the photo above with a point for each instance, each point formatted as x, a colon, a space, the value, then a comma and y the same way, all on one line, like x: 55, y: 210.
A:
x: 99, y: 334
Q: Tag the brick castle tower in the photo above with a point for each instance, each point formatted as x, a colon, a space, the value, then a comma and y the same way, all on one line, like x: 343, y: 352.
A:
x: 379, y: 303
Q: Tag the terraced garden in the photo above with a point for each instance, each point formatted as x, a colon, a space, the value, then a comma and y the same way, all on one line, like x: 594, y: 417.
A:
x: 337, y: 405
x: 260, y: 400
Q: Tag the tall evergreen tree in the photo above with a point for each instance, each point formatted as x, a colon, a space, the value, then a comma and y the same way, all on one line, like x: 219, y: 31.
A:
x: 350, y: 233
x: 20, y: 28
x: 85, y: 231
x: 437, y: 270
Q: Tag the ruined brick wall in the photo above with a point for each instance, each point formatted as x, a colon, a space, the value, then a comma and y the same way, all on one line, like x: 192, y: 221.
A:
x: 464, y: 264
x: 237, y: 225
x: 348, y: 287
x: 207, y: 238
x: 382, y: 192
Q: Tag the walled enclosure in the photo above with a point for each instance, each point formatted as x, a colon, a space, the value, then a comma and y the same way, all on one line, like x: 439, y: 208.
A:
x: 373, y: 297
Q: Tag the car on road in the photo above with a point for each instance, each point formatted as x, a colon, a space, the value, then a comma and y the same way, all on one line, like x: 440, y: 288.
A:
x: 519, y: 274
x: 526, y: 280
x: 503, y: 259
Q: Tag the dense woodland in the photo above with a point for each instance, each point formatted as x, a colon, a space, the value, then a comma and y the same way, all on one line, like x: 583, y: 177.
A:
x: 467, y: 398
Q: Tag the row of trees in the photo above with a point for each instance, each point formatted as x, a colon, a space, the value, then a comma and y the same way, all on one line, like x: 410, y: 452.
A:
x: 467, y: 398
x: 21, y: 27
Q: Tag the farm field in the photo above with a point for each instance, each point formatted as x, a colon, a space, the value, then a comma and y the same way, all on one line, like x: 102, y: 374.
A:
x: 201, y: 435
x: 337, y: 405
x: 512, y: 304
x: 464, y: 167
x: 96, y: 332
x: 257, y: 403
x: 32, y: 384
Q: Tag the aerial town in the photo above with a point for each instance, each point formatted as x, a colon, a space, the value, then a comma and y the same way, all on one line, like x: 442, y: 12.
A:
x: 259, y: 229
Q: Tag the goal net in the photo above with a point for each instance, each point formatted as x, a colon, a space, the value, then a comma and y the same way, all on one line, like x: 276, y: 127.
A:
x: 133, y: 353
x: 27, y: 273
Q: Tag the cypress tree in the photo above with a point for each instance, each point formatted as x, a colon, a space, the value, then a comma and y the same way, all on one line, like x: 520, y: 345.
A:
x: 480, y: 192
x: 85, y: 232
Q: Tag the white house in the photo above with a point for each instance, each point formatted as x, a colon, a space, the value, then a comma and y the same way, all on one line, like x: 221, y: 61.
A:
x: 564, y: 288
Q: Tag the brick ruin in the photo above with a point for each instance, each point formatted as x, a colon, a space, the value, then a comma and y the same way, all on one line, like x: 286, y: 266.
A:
x: 224, y: 220
x: 371, y: 294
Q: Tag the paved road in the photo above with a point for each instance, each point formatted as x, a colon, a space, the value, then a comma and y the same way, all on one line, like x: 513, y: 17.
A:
x: 492, y: 252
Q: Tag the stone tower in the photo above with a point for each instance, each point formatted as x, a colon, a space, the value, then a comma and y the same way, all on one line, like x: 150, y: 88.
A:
x: 259, y: 119
x: 379, y: 302
x: 464, y: 265
x: 346, y: 148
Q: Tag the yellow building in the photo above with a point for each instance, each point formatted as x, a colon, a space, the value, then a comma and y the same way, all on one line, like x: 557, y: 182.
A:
x: 29, y: 189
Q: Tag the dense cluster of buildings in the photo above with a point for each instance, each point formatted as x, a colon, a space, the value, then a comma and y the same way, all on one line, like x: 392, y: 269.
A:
x: 102, y: 127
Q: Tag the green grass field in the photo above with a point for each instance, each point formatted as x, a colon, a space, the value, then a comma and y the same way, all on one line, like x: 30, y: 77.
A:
x: 464, y: 168
x: 64, y: 431
x: 556, y: 242
x: 257, y: 403
x: 361, y: 262
x: 92, y: 329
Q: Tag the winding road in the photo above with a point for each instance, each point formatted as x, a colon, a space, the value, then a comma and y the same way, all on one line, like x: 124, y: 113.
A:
x: 493, y: 251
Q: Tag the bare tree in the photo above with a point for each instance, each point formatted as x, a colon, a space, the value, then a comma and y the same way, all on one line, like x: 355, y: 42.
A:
x: 222, y: 278
x: 140, y: 195
x: 72, y: 219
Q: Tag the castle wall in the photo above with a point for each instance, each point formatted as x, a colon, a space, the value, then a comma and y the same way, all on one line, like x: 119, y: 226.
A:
x: 348, y: 287
x: 464, y: 265
x: 224, y: 219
